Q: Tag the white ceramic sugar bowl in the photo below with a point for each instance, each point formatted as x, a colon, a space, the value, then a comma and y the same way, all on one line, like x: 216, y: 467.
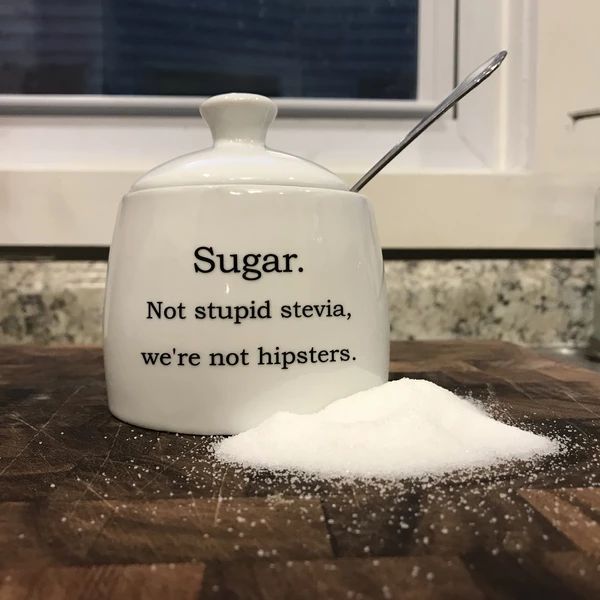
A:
x: 242, y: 282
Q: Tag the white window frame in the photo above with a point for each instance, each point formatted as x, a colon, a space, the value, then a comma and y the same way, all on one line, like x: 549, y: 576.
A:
x: 470, y: 182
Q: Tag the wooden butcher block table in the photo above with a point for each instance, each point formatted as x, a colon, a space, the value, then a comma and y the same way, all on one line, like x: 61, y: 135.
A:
x: 95, y: 508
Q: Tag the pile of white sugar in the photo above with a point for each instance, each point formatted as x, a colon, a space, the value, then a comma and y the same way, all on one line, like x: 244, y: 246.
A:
x: 404, y: 428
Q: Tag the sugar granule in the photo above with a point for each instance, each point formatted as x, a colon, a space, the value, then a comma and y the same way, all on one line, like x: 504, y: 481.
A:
x: 404, y: 428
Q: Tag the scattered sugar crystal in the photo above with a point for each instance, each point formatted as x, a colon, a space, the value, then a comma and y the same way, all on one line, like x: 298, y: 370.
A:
x: 404, y: 428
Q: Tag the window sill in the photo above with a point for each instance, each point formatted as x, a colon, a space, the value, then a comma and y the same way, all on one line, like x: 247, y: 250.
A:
x: 433, y: 209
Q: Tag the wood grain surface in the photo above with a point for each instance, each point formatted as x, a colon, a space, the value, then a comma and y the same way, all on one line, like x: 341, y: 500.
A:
x: 91, y: 507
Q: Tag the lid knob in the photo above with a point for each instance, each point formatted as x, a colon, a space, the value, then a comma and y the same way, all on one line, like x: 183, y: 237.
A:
x: 239, y: 117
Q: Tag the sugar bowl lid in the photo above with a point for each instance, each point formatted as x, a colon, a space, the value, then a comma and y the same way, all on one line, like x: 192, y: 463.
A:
x: 239, y: 123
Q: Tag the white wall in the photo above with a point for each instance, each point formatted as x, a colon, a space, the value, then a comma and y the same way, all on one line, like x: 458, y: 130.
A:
x: 568, y: 78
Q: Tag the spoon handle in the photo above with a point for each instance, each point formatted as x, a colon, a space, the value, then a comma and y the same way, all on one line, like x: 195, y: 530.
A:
x: 460, y: 91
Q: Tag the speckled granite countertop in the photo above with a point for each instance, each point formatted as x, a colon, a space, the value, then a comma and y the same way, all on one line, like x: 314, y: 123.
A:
x: 538, y: 302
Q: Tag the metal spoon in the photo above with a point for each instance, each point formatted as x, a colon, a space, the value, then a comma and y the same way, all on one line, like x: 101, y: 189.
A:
x: 460, y: 91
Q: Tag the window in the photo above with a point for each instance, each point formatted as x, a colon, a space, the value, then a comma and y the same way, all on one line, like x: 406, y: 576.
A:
x: 321, y: 57
x: 279, y: 48
x: 506, y: 171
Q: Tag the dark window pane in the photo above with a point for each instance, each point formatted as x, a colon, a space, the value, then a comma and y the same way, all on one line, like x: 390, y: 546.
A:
x: 297, y: 48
